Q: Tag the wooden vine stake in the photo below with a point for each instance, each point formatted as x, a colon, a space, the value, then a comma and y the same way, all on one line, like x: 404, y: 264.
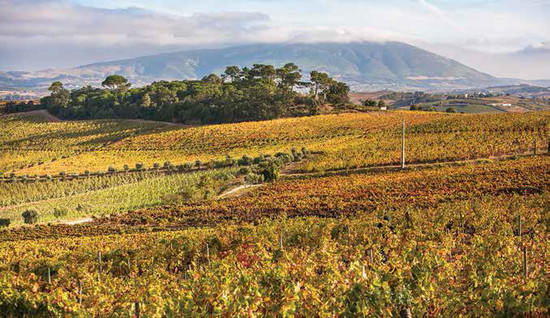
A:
x: 99, y: 265
x: 519, y: 225
x: 369, y: 253
x: 525, y: 265
x: 405, y: 313
x: 49, y: 276
x: 208, y: 254
x: 80, y: 292
x: 281, y: 240
x: 137, y: 310
x: 403, y: 145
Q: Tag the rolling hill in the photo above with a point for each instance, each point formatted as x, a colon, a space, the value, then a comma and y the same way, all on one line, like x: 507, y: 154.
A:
x: 364, y: 65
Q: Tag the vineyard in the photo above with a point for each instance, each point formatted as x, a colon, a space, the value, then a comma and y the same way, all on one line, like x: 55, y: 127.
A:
x: 332, y: 227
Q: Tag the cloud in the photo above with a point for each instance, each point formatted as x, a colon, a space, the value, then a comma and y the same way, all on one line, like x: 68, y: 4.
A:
x: 36, y: 34
x: 67, y: 33
x: 64, y: 21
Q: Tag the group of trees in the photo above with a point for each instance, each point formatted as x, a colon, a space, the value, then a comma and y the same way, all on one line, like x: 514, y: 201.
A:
x: 257, y: 93
x: 21, y: 106
x: 373, y: 103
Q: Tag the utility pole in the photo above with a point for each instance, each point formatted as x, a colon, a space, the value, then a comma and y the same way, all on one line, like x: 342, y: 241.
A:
x: 403, y: 146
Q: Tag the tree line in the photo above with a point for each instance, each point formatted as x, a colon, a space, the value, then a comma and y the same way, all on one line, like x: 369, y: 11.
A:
x: 239, y: 94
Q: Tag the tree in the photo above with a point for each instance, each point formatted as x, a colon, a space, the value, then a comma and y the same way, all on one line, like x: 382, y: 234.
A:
x: 257, y: 93
x: 381, y: 104
x: 116, y: 82
x: 450, y: 110
x: 59, y: 99
x: 56, y: 87
x: 321, y: 82
x: 30, y: 216
x: 231, y: 73
x: 369, y: 102
x: 289, y: 75
x: 145, y: 100
x: 338, y: 93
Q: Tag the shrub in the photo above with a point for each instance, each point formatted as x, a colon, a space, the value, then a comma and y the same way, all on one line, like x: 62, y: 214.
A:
x: 167, y: 165
x: 216, y: 164
x: 254, y: 178
x: 62, y: 174
x: 30, y: 216
x: 245, y: 170
x: 5, y: 222
x: 60, y: 212
x: 156, y: 165
x: 139, y: 166
x: 245, y: 161
x: 258, y: 159
x: 198, y: 163
x: 271, y: 172
x: 230, y: 162
x: 187, y: 166
x: 126, y: 167
x: 284, y: 157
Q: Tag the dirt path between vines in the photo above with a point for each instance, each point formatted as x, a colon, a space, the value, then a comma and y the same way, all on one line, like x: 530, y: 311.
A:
x: 78, y: 221
x: 238, y: 191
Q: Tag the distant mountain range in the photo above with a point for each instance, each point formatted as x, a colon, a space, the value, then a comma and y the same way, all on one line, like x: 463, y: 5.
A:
x: 363, y: 65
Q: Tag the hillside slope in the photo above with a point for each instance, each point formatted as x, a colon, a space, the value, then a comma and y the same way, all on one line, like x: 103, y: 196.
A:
x: 364, y: 65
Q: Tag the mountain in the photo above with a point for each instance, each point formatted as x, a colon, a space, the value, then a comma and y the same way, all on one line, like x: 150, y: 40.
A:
x: 528, y: 63
x: 364, y: 65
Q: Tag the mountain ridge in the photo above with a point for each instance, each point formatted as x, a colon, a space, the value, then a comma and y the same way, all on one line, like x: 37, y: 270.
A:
x: 363, y: 65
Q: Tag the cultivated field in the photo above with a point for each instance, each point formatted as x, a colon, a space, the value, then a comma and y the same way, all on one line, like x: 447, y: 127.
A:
x: 332, y: 227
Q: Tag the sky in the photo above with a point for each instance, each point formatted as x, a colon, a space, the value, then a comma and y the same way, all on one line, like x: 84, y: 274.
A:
x: 40, y: 34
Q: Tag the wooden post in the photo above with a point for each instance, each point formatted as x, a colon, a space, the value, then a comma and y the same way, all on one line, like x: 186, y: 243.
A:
x: 405, y: 313
x: 207, y: 253
x: 137, y: 310
x: 49, y: 276
x: 519, y: 225
x: 403, y: 146
x: 99, y: 265
x: 534, y: 147
x: 281, y: 239
x: 525, y: 266
x: 79, y: 292
x: 369, y: 253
